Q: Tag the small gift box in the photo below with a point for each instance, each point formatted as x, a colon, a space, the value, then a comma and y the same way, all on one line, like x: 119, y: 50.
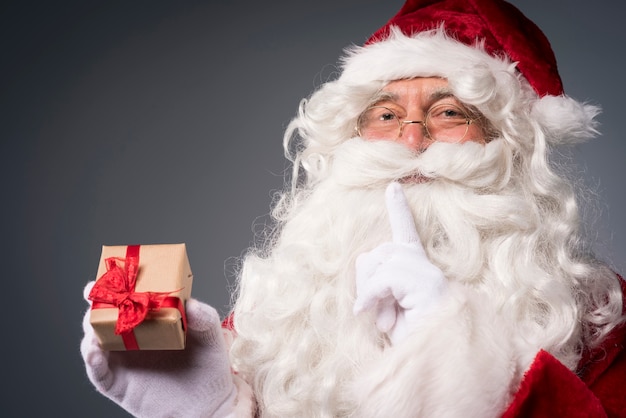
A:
x: 139, y: 297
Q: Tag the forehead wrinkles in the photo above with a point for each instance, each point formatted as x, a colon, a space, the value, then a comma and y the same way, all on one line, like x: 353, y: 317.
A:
x: 391, y: 96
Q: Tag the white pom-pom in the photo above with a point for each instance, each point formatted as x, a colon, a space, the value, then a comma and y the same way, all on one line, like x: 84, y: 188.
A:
x: 564, y: 120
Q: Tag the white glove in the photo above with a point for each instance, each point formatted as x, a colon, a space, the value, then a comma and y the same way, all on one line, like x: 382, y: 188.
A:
x: 396, y: 277
x: 194, y: 382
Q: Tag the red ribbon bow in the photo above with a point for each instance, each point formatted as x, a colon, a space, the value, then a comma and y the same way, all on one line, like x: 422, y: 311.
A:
x: 116, y: 287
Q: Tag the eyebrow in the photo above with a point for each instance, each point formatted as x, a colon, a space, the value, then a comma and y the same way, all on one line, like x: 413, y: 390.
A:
x: 383, y: 95
x: 439, y: 94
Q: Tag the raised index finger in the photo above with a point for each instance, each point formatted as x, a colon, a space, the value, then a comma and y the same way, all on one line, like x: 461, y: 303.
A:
x: 400, y: 217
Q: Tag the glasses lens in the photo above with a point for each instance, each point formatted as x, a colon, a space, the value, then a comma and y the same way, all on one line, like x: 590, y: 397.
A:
x: 447, y: 123
x: 378, y: 122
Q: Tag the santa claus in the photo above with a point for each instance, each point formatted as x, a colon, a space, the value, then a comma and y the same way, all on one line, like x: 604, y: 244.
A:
x: 427, y: 259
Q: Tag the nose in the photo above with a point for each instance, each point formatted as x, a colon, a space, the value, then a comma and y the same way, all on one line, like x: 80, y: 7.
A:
x: 413, y: 135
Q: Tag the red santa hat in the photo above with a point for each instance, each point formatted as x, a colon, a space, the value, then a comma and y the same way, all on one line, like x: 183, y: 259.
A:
x: 500, y: 26
x: 449, y: 38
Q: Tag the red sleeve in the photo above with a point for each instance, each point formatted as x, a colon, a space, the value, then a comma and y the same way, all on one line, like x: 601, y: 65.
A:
x: 549, y: 389
x: 609, y: 386
x: 604, y: 369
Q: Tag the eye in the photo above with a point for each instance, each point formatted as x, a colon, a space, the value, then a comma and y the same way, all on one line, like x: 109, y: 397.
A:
x: 379, y: 114
x: 447, y: 112
x: 386, y: 116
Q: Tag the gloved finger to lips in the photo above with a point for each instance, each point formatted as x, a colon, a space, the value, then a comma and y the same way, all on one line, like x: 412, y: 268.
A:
x: 400, y: 216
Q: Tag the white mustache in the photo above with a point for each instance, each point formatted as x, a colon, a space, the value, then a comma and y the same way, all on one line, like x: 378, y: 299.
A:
x: 362, y: 163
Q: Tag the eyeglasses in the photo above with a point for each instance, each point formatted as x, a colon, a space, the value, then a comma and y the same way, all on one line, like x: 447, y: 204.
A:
x: 443, y: 122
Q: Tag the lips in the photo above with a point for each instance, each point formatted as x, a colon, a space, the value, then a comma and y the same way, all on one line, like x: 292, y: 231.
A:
x: 415, y: 179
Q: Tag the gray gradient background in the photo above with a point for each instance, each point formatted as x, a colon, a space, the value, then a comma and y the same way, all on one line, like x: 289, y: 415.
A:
x: 161, y: 121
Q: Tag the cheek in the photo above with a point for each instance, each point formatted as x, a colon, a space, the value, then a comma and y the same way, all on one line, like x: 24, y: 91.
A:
x: 377, y: 139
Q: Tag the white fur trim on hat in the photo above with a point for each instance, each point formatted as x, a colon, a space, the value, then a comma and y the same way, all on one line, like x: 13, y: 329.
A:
x: 426, y: 54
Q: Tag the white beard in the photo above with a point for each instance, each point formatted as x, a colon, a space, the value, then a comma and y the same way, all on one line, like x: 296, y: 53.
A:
x: 299, y: 344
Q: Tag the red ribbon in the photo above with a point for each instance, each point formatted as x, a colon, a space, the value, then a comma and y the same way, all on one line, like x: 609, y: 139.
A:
x: 116, y: 289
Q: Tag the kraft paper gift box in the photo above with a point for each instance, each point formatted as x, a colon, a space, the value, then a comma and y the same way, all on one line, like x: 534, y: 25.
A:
x: 137, y: 280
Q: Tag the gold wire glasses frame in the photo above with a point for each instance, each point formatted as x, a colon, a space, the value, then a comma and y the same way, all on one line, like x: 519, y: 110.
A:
x: 443, y: 122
